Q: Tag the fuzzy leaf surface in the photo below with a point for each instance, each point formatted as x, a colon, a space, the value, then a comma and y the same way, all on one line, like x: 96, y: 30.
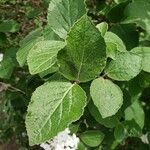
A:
x: 43, y: 55
x: 124, y: 67
x: 84, y: 57
x: 62, y: 14
x: 53, y: 107
x: 107, y: 97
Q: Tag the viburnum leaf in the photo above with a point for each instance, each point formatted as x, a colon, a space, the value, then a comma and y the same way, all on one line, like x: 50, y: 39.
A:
x: 107, y: 96
x: 144, y: 52
x: 43, y: 55
x: 136, y: 112
x: 53, y: 106
x: 102, y: 27
x: 124, y: 67
x: 62, y: 14
x: 114, y: 45
x: 120, y: 133
x: 84, y: 57
x: 6, y: 67
x: 92, y: 138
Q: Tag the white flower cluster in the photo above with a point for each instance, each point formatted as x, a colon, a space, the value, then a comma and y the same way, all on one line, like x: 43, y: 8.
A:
x: 1, y: 57
x: 63, y: 141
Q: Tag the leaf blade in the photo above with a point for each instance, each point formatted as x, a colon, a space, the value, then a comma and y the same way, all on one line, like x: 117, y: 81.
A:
x: 63, y: 100
x: 107, y: 97
x: 84, y: 56
x: 43, y: 55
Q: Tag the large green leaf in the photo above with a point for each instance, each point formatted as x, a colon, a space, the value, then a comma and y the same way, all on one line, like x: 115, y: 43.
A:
x: 138, y: 12
x: 84, y: 56
x: 125, y: 66
x: 53, y: 107
x: 136, y: 112
x: 43, y: 55
x: 107, y: 96
x: 62, y: 14
x: 92, y: 138
x: 144, y: 52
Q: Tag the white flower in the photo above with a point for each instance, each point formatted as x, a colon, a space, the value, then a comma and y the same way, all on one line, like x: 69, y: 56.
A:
x: 1, y: 57
x: 63, y: 141
x: 144, y: 138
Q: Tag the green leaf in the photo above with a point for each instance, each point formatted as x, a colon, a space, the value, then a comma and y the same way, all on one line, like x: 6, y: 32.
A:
x: 27, y: 44
x: 132, y: 128
x: 53, y: 107
x: 9, y: 26
x: 6, y: 68
x: 144, y: 52
x: 49, y: 34
x: 92, y: 138
x: 107, y: 96
x: 116, y: 13
x: 109, y: 122
x: 102, y: 27
x: 128, y: 33
x: 84, y: 56
x: 138, y: 12
x: 120, y: 133
x: 63, y: 14
x: 136, y: 112
x: 114, y: 45
x: 51, y: 70
x: 43, y: 55
x: 125, y: 66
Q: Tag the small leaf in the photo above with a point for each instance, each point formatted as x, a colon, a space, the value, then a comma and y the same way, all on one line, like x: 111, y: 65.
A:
x: 6, y: 67
x: 136, y: 112
x: 144, y: 52
x: 92, y: 138
x: 84, y: 56
x: 43, y: 55
x: 63, y: 14
x: 53, y: 107
x: 132, y: 128
x: 102, y: 27
x: 114, y: 45
x: 120, y: 133
x: 125, y: 67
x: 9, y: 26
x: 107, y: 96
